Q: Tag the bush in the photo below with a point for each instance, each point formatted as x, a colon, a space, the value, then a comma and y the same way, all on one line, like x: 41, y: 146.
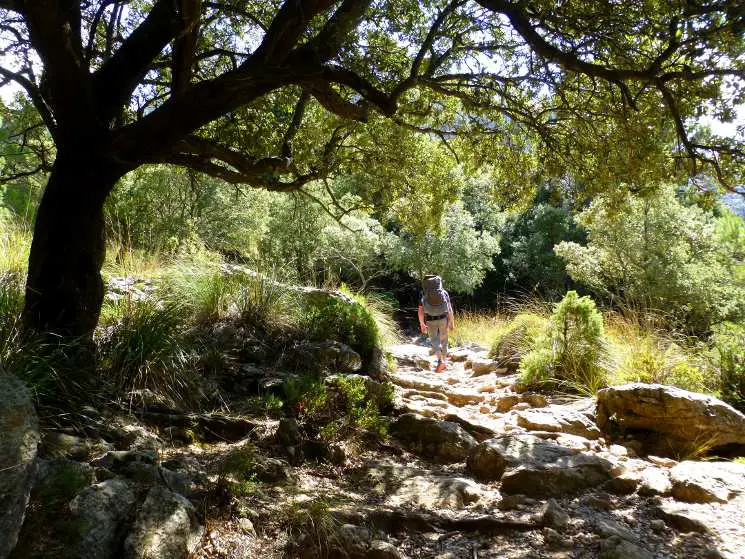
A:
x: 568, y: 353
x: 517, y: 339
x: 337, y: 407
x: 349, y: 322
x: 729, y: 359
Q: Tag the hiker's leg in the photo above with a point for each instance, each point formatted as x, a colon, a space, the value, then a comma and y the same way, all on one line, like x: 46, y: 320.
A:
x: 444, y: 340
x: 434, y: 338
x: 437, y: 328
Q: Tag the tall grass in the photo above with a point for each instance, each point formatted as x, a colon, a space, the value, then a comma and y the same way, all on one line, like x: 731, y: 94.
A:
x: 147, y: 348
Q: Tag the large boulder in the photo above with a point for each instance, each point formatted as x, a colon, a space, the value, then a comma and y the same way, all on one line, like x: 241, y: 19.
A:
x: 166, y: 527
x: 328, y: 356
x: 100, y: 512
x: 441, y: 440
x: 684, y: 421
x: 437, y: 492
x: 19, y: 438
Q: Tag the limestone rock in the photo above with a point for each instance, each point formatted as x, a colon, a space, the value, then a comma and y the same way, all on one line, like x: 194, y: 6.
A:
x: 609, y: 528
x: 62, y: 445
x: 326, y: 356
x: 439, y: 492
x: 619, y: 548
x: 686, y: 419
x: 558, y: 419
x: 684, y: 518
x: 624, y: 484
x: 100, y: 511
x: 534, y: 399
x: 19, y: 437
x: 382, y: 550
x: 288, y: 432
x: 486, y: 462
x: 540, y: 468
x: 506, y: 403
x: 705, y: 482
x: 166, y: 527
x: 553, y: 515
x: 377, y: 367
x: 441, y: 440
x: 115, y: 459
x: 483, y: 367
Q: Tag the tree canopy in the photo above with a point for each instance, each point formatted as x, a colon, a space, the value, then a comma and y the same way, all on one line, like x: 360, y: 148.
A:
x: 277, y: 94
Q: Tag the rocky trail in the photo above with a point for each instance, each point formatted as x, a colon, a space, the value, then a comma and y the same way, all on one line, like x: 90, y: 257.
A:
x: 472, y: 468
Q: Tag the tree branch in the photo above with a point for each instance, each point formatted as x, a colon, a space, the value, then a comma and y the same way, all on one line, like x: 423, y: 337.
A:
x: 285, y: 30
x: 330, y: 39
x: 184, y: 46
x: 114, y: 82
x: 36, y: 98
x: 297, y: 119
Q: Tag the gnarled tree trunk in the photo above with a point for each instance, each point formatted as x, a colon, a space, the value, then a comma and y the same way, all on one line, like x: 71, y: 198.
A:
x: 64, y: 289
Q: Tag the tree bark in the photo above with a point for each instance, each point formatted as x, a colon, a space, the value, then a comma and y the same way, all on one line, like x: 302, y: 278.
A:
x: 64, y: 289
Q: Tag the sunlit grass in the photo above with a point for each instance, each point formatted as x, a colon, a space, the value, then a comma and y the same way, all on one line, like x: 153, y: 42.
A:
x: 474, y: 327
x: 643, y: 351
x: 15, y: 243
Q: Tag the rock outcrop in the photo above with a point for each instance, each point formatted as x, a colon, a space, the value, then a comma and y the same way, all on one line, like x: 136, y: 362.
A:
x: 684, y: 421
x: 19, y: 438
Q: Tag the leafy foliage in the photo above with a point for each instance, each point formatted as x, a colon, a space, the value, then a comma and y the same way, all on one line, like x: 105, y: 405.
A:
x: 337, y: 407
x: 333, y: 318
x: 657, y: 254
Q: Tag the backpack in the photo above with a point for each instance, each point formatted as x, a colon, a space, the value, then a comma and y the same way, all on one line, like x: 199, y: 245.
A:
x: 434, y: 299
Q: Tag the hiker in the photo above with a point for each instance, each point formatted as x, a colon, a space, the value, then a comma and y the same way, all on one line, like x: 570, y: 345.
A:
x: 436, y: 316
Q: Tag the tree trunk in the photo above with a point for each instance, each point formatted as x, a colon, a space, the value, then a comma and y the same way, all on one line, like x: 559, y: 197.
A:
x: 64, y: 289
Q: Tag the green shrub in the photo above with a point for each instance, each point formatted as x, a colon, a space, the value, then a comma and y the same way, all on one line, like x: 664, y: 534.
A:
x: 339, y: 406
x: 147, y: 348
x: 517, y: 339
x: 729, y: 359
x: 568, y: 353
x: 343, y: 321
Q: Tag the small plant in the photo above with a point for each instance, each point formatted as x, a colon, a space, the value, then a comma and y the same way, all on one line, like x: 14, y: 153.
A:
x: 313, y: 520
x: 340, y: 406
x: 568, y: 353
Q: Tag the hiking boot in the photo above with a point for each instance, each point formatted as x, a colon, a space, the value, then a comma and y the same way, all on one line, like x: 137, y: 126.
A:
x: 440, y: 367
